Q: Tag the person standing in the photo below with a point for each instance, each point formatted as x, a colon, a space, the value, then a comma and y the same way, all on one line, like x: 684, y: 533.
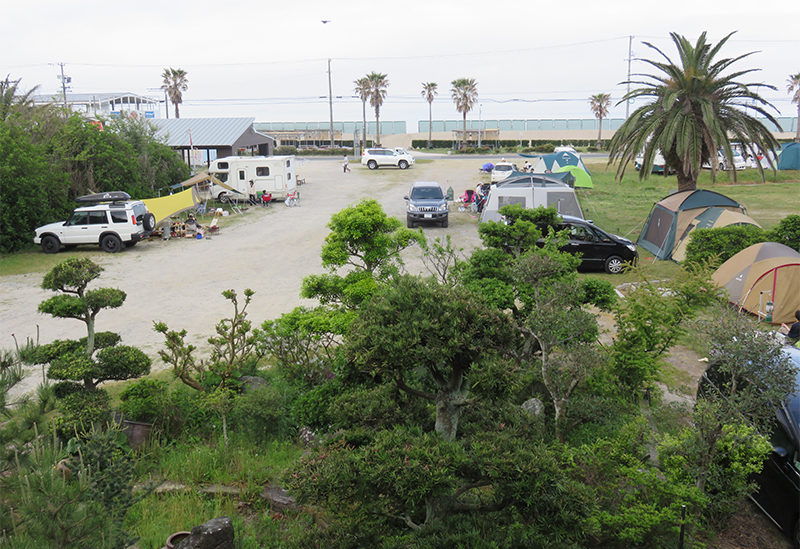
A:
x: 252, y: 193
x: 345, y: 165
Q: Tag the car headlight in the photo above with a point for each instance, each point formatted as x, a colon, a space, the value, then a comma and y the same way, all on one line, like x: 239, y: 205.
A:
x: 412, y: 208
x: 631, y: 247
x: 443, y: 208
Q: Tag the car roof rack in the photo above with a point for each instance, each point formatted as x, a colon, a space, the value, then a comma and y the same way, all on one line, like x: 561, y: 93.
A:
x: 113, y: 196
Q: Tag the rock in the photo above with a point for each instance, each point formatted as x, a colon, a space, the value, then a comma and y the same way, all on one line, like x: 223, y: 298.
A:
x: 215, y: 534
x: 533, y: 406
x: 252, y: 383
x: 307, y: 437
x: 278, y: 498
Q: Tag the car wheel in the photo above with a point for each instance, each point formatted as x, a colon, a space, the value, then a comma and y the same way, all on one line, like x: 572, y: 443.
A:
x: 409, y: 223
x: 111, y: 244
x: 614, y: 264
x: 51, y: 245
x: 372, y: 165
x: 402, y: 165
x: 445, y: 223
x: 149, y: 222
x: 223, y: 198
x: 722, y: 167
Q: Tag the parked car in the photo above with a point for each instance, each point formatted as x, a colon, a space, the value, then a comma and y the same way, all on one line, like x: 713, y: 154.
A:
x: 738, y: 162
x: 778, y: 493
x: 375, y: 158
x: 502, y: 170
x: 426, y: 203
x: 659, y: 164
x: 598, y: 249
x: 110, y: 220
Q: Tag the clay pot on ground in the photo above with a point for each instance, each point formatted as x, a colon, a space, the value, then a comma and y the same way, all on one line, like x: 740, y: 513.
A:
x: 137, y: 433
x: 173, y: 540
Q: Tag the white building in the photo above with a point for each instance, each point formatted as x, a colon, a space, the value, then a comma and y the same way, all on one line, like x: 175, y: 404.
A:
x: 106, y: 104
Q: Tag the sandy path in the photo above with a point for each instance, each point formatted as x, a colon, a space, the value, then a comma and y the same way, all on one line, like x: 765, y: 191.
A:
x: 270, y: 251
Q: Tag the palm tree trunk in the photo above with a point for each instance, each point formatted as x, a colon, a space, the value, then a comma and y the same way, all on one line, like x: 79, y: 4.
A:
x: 377, y: 127
x: 364, y: 114
x: 797, y: 135
x: 599, y: 143
x: 430, y: 124
x: 464, y: 133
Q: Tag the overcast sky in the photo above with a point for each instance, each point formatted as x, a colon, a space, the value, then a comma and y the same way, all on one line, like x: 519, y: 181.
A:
x: 268, y: 59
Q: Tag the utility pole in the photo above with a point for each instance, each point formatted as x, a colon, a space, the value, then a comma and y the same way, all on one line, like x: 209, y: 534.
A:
x: 628, y: 101
x: 64, y: 81
x: 330, y: 99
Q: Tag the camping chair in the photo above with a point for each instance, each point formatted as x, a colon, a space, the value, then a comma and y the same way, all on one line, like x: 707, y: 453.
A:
x: 212, y: 228
x: 468, y: 200
x: 266, y: 199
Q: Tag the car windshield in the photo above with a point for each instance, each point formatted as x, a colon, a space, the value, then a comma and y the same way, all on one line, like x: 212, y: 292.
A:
x: 430, y: 193
x: 502, y: 168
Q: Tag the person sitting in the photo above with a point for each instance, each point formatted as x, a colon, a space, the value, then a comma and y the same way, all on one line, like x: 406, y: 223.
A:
x: 266, y: 199
x: 193, y: 226
x: 793, y: 334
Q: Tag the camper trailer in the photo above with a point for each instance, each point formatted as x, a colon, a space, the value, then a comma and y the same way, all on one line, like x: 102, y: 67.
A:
x: 532, y: 191
x: 270, y: 174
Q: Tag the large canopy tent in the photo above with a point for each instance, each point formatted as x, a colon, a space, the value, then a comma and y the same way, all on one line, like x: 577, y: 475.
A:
x: 671, y: 219
x: 532, y: 191
x: 193, y: 195
x: 763, y: 272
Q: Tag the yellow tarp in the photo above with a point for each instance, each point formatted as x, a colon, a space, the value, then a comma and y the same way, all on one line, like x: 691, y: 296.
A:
x: 167, y: 206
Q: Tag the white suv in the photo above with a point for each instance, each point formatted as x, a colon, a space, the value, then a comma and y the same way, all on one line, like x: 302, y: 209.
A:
x: 110, y: 220
x: 374, y: 158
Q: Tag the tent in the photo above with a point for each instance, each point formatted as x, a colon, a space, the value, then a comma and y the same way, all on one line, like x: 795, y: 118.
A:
x: 789, y: 157
x: 709, y: 218
x: 196, y: 193
x: 552, y: 162
x: 582, y: 177
x: 763, y: 272
x: 672, y: 216
x: 532, y: 191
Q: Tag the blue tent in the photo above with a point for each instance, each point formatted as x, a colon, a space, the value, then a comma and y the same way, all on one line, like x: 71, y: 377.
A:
x: 790, y: 157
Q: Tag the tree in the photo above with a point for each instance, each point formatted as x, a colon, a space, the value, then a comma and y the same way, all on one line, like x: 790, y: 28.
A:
x: 429, y: 92
x: 465, y: 94
x: 599, y: 104
x: 378, y: 84
x: 364, y: 90
x: 793, y: 86
x: 695, y: 111
x: 12, y: 101
x: 417, y: 324
x: 175, y: 83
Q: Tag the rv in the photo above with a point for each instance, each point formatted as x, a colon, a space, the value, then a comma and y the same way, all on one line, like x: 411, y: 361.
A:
x: 270, y: 174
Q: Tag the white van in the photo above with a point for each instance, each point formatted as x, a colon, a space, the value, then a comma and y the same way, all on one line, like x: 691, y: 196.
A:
x: 270, y: 174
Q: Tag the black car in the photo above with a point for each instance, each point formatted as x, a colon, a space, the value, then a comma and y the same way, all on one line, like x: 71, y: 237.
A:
x: 778, y: 493
x: 598, y: 249
x: 426, y: 202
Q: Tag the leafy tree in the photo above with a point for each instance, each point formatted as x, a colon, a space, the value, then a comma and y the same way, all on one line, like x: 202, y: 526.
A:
x: 599, y: 104
x: 419, y: 325
x: 429, y: 92
x: 377, y: 93
x: 232, y: 350
x: 175, y: 83
x: 367, y: 241
x: 12, y: 100
x: 793, y: 86
x: 364, y: 89
x: 695, y: 111
x: 464, y: 94
x: 787, y: 232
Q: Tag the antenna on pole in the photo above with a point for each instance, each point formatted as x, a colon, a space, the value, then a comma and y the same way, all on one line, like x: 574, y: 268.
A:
x: 628, y: 101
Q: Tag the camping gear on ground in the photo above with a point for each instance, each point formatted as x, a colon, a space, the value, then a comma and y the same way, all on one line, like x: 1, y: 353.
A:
x: 789, y: 158
x: 671, y: 218
x: 551, y: 162
x: 532, y: 191
x: 761, y: 273
x: 487, y: 168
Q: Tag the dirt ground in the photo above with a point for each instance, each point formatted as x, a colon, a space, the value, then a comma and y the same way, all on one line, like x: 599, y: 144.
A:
x: 270, y: 251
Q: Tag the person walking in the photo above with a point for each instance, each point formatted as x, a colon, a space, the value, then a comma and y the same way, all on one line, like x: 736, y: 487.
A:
x: 345, y: 166
x: 253, y: 193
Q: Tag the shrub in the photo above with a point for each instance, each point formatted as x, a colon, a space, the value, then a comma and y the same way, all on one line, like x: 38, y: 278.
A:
x: 544, y: 148
x: 285, y: 150
x: 724, y: 242
x: 146, y: 401
x: 261, y: 414
x: 787, y: 232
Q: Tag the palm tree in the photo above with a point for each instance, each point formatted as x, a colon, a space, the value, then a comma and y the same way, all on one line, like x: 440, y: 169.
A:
x: 12, y: 100
x: 363, y: 89
x: 599, y: 104
x: 793, y: 85
x: 378, y: 84
x: 175, y: 83
x: 429, y: 92
x: 465, y: 95
x: 694, y: 112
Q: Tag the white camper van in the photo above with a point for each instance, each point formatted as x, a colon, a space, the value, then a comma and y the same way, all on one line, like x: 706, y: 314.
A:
x: 270, y: 174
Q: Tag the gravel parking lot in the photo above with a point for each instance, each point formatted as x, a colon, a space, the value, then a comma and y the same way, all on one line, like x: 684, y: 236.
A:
x: 268, y: 250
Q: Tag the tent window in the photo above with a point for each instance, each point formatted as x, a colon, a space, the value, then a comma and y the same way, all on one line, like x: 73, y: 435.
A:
x: 262, y: 171
x: 506, y: 200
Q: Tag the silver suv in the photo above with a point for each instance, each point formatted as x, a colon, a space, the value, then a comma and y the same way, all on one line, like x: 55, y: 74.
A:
x: 110, y: 220
x: 426, y: 202
x: 374, y: 158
